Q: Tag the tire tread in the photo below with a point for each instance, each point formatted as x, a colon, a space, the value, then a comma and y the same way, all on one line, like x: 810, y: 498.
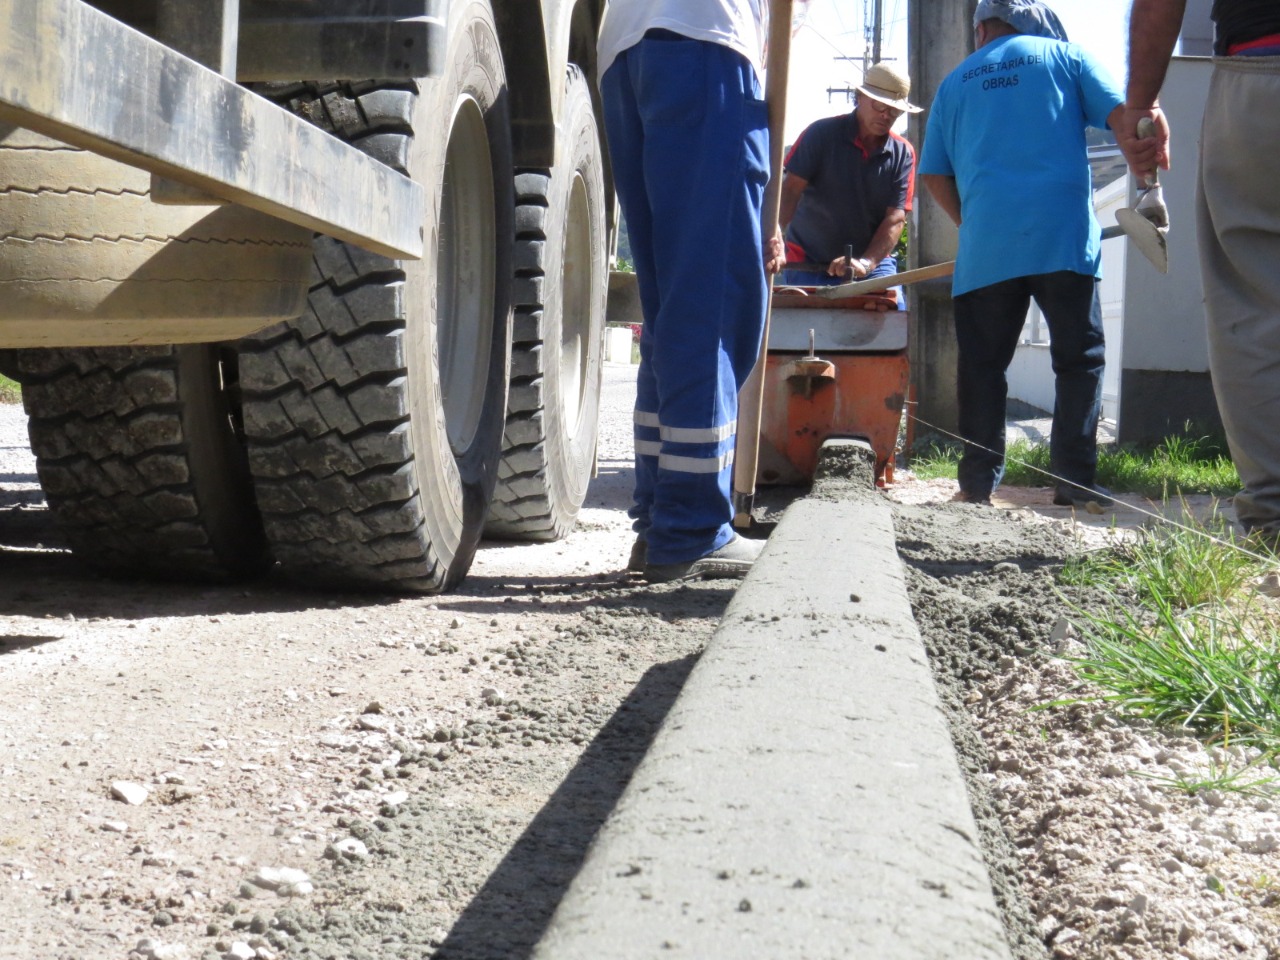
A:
x: 326, y: 396
x: 113, y: 457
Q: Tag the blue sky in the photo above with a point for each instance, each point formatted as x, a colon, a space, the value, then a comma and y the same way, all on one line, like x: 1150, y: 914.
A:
x: 834, y: 28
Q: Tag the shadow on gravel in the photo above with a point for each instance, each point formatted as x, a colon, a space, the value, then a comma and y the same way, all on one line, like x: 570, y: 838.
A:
x: 12, y: 643
x: 486, y: 596
x: 511, y: 912
x: 40, y: 577
x: 52, y: 583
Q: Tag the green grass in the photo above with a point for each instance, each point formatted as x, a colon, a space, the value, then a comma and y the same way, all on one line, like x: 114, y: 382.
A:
x: 1185, y: 567
x: 1213, y: 671
x: 1256, y: 777
x: 10, y: 392
x: 1183, y: 640
x: 1177, y: 465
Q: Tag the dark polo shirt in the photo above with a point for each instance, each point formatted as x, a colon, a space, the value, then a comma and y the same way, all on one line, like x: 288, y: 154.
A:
x: 1240, y: 21
x: 849, y: 189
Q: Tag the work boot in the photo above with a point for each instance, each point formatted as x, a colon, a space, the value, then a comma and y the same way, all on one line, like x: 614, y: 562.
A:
x: 639, y: 555
x: 731, y: 561
x: 972, y: 496
x: 1071, y: 495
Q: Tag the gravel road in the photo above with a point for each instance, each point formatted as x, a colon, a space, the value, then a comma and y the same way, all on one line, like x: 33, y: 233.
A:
x: 441, y: 761
x: 260, y: 771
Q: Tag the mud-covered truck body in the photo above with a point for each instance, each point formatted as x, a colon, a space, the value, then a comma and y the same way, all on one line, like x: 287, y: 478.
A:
x: 318, y: 283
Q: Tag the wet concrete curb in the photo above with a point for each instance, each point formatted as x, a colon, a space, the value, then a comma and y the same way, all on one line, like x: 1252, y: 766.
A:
x: 803, y: 798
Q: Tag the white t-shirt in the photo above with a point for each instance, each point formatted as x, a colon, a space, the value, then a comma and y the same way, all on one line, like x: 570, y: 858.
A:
x: 741, y: 25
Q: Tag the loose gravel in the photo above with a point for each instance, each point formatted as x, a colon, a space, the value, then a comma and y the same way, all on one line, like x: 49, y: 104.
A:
x: 260, y: 772
x: 1094, y: 852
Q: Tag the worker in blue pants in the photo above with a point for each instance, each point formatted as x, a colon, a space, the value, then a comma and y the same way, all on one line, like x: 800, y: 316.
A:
x: 688, y: 140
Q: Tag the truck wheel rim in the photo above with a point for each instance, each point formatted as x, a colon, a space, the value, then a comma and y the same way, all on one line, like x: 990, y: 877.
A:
x: 465, y: 272
x: 576, y: 322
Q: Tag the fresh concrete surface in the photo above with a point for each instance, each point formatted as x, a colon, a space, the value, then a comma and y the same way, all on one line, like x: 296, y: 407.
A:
x: 802, y: 799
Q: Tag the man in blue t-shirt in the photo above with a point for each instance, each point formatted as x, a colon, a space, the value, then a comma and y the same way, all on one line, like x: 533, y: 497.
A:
x: 1005, y: 157
x: 849, y: 182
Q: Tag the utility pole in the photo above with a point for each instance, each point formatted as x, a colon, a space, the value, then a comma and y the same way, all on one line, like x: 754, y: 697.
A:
x: 879, y: 31
x: 940, y: 35
x: 872, y: 34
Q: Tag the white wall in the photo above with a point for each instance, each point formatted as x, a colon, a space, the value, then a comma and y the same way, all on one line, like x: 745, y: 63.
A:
x: 1197, y: 30
x: 1164, y: 315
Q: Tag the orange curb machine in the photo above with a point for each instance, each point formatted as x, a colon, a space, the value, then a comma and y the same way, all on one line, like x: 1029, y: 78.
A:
x: 834, y: 368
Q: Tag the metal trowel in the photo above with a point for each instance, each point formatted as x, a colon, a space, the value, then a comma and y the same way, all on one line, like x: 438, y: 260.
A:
x: 1147, y: 222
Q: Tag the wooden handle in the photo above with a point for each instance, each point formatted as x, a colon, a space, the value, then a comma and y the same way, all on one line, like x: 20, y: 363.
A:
x: 751, y: 398
x: 775, y: 95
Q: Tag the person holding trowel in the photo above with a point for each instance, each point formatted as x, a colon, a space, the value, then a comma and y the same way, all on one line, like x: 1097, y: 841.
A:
x: 1238, y: 220
x: 688, y: 138
x: 849, y: 183
x: 1005, y: 156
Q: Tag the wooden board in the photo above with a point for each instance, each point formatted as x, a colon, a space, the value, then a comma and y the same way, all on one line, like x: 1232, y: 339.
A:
x: 860, y: 287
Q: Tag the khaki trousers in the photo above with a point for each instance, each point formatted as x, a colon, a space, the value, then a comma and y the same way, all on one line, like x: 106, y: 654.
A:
x: 1238, y: 215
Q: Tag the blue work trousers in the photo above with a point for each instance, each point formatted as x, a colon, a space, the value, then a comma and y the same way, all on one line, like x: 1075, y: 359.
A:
x: 689, y: 143
x: 989, y: 321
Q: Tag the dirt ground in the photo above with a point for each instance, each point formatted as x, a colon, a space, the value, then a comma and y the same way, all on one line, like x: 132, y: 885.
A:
x: 263, y: 771
x: 1093, y: 852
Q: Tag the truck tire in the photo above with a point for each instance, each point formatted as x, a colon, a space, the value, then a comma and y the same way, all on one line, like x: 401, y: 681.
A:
x: 138, y: 455
x: 87, y: 259
x: 374, y: 421
x: 136, y: 447
x: 558, y: 337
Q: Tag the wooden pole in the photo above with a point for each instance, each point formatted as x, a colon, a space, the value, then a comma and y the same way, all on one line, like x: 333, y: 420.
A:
x: 751, y: 398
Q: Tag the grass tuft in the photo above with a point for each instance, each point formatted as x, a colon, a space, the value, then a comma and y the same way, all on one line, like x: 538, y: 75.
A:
x: 1184, y: 640
x: 10, y: 392
x: 1212, y: 671
x: 1256, y: 776
x: 1185, y: 567
x: 1179, y: 465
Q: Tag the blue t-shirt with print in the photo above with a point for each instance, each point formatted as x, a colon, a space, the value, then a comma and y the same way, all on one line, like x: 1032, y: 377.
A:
x: 1009, y: 125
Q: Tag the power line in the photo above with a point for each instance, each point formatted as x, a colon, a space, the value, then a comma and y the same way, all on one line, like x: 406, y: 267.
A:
x: 872, y: 36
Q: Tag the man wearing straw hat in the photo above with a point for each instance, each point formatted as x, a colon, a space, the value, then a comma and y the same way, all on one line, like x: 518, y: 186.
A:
x: 849, y: 182
x: 1005, y: 156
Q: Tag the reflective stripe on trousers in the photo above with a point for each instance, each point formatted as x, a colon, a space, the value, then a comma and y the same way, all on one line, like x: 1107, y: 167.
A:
x: 688, y: 138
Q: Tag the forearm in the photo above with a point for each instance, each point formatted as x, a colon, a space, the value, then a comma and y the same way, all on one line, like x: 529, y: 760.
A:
x: 886, y: 237
x: 944, y: 192
x: 1153, y: 30
x: 792, y: 189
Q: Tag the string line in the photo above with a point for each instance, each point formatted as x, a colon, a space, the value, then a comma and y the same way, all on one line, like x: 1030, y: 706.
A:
x: 1063, y: 481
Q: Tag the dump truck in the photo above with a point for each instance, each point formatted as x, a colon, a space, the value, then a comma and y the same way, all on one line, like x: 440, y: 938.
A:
x: 315, y: 283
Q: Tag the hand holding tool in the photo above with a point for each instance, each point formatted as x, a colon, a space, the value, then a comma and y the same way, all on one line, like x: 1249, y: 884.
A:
x: 1147, y: 222
x: 862, y: 287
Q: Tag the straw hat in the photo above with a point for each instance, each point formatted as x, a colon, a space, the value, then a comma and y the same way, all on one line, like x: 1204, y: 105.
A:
x: 889, y: 85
